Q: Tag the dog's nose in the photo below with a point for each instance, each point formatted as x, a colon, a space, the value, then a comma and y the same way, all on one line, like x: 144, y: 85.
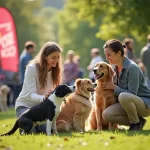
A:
x: 95, y: 84
x: 94, y: 70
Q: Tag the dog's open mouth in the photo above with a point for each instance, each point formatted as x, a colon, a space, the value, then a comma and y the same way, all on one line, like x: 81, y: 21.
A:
x: 99, y: 76
x: 91, y: 89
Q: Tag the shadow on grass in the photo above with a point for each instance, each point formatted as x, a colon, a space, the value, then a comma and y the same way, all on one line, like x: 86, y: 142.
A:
x: 135, y: 133
x: 125, y: 132
x: 131, y: 133
x: 78, y: 134
x: 10, y: 114
x: 71, y: 134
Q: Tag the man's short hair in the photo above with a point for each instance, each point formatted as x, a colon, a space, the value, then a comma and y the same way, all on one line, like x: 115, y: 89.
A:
x: 148, y: 38
x: 95, y: 51
x: 70, y: 52
x: 29, y: 44
x: 126, y: 41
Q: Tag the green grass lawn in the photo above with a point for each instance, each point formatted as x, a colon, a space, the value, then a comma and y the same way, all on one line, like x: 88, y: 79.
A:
x: 111, y: 140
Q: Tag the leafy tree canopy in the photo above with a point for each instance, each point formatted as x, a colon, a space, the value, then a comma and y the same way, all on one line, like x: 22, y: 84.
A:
x: 120, y: 17
x: 77, y: 34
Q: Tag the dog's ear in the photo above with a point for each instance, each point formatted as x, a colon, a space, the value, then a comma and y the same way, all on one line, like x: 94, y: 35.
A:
x: 58, y: 92
x: 62, y: 90
x: 78, y: 81
x: 111, y: 73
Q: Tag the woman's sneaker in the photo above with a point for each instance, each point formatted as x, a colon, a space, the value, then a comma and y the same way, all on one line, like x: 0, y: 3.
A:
x: 142, y: 121
x: 138, y: 126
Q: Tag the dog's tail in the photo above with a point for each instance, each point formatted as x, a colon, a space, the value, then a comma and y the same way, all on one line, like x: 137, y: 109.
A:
x: 13, y: 130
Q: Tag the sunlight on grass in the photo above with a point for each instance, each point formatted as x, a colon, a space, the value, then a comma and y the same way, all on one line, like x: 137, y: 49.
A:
x: 93, y: 140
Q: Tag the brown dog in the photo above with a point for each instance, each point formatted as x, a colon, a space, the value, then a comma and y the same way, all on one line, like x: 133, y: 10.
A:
x: 103, y: 97
x: 4, y: 90
x: 78, y: 105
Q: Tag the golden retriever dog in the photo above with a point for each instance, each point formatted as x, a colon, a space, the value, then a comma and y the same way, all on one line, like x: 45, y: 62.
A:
x: 103, y: 98
x: 4, y: 90
x: 76, y: 110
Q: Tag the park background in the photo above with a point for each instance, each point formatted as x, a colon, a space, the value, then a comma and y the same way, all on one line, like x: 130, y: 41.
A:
x: 80, y: 24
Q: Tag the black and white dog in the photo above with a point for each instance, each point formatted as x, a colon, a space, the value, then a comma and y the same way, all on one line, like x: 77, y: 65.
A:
x: 47, y: 110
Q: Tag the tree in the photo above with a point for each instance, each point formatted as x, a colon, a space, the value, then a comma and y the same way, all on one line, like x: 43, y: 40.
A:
x: 77, y: 35
x: 48, y: 21
x: 120, y: 17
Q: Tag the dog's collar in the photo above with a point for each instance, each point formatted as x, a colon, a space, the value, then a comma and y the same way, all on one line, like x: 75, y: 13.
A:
x: 84, y: 97
x: 84, y: 100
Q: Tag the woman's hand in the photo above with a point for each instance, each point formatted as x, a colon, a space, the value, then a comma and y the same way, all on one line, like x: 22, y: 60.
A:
x: 109, y: 85
x: 47, y: 94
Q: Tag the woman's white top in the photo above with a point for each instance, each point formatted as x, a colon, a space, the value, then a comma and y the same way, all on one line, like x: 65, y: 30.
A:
x: 31, y: 93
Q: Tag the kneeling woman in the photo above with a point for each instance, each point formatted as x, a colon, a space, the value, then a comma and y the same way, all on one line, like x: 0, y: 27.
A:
x: 129, y: 86
x: 42, y: 75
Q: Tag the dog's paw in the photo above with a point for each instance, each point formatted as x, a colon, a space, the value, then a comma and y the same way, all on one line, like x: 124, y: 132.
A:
x: 49, y: 134
x: 80, y: 130
x: 111, y: 128
x: 99, y: 128
x: 22, y: 132
x: 55, y: 132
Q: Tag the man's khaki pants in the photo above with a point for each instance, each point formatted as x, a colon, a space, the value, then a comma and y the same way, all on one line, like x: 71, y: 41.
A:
x: 127, y: 111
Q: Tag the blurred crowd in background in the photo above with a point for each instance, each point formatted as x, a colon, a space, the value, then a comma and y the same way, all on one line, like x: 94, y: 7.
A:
x: 72, y: 68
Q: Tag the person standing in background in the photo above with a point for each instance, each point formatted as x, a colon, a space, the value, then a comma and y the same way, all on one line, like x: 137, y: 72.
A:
x: 145, y: 58
x: 96, y: 57
x: 25, y: 57
x: 70, y: 69
x: 2, y: 76
x: 129, y: 48
x: 80, y: 70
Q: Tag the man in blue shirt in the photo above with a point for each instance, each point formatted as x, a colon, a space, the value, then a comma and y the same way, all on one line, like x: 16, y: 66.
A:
x: 145, y: 57
x: 25, y: 57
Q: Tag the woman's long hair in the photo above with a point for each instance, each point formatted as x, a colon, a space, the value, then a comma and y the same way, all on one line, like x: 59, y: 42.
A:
x: 41, y: 64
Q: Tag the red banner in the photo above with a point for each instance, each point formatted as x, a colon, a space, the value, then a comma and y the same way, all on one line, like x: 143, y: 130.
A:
x: 8, y: 41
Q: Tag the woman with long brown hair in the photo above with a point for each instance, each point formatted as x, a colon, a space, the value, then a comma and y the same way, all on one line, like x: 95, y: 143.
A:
x: 42, y: 75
